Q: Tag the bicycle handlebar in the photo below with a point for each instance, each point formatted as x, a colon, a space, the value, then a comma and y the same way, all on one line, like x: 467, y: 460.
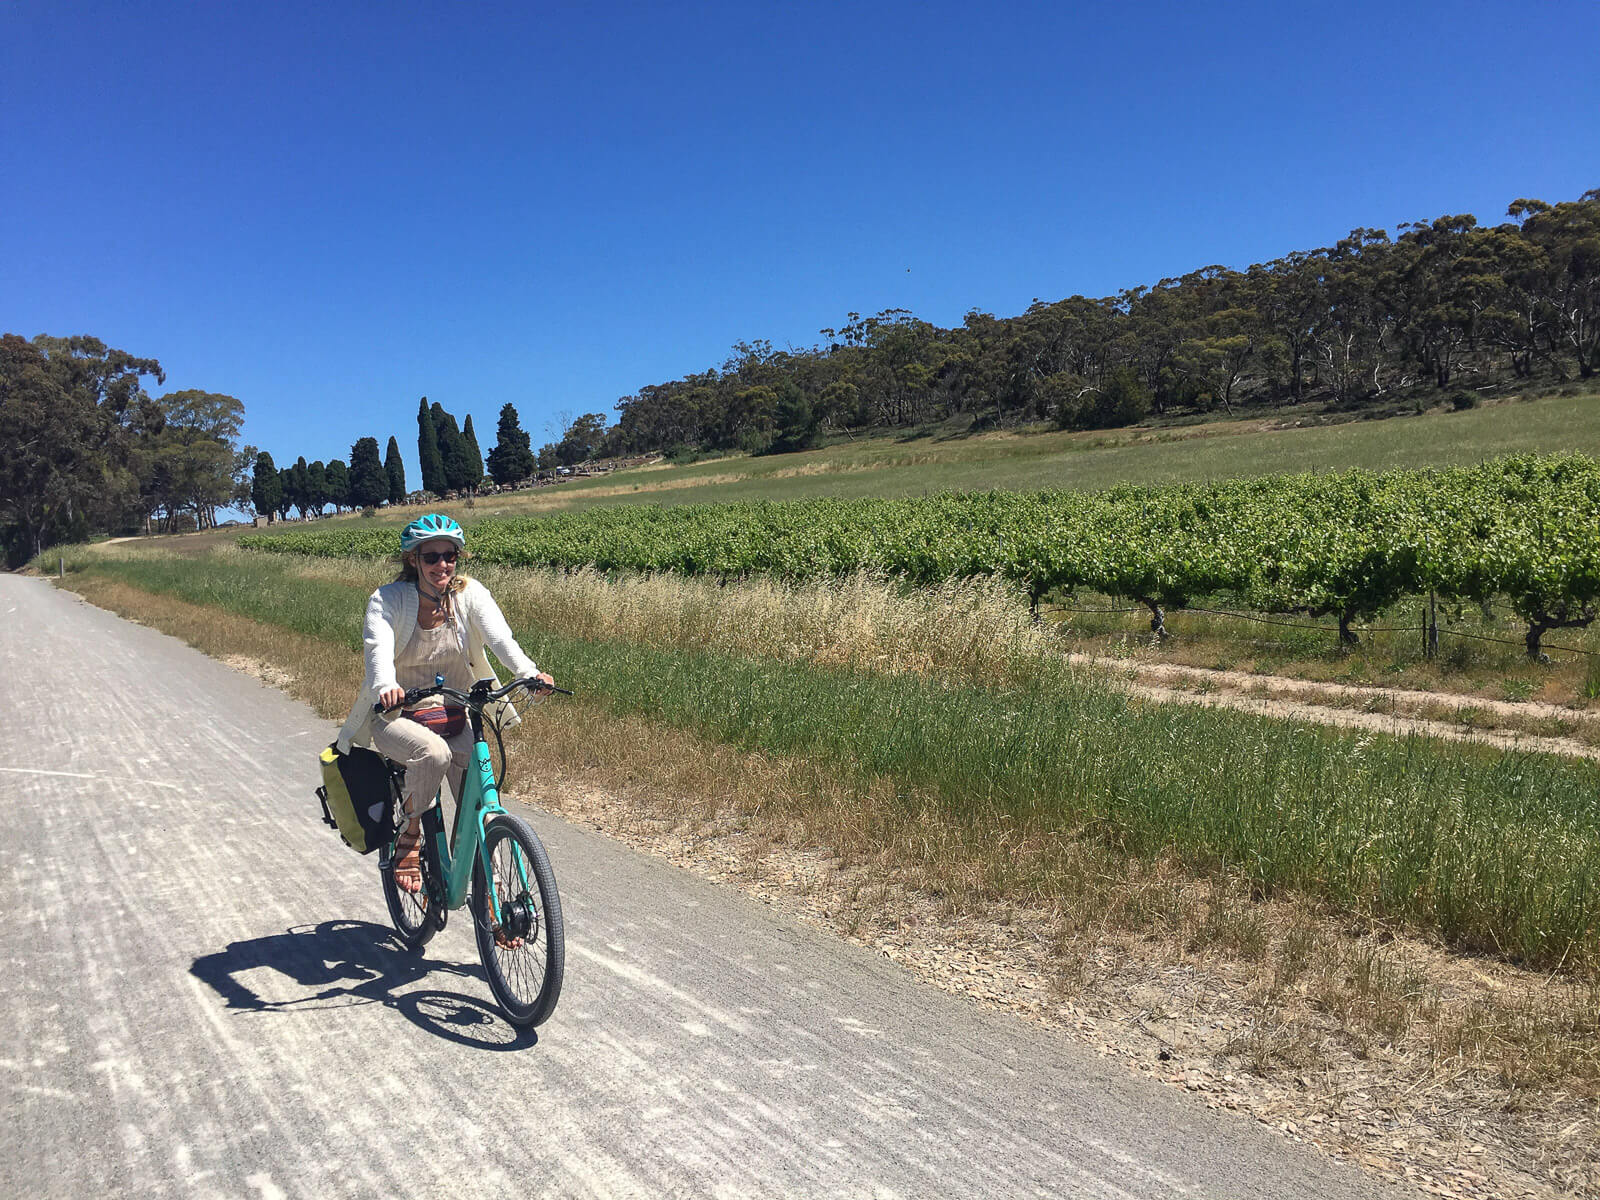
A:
x: 476, y: 699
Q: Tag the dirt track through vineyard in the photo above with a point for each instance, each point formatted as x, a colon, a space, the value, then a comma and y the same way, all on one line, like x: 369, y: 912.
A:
x: 1382, y: 710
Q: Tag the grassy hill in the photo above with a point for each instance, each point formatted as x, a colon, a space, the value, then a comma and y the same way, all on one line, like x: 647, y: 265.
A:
x: 887, y: 466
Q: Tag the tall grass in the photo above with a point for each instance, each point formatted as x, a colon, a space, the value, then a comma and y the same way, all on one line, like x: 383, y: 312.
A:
x: 1494, y: 851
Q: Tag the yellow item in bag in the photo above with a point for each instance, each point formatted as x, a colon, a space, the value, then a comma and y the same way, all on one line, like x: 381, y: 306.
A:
x: 356, y: 795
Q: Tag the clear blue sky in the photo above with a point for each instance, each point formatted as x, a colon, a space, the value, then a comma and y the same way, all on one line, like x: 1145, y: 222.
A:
x: 330, y: 210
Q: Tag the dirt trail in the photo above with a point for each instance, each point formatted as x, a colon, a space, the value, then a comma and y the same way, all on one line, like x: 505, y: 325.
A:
x: 1384, y: 710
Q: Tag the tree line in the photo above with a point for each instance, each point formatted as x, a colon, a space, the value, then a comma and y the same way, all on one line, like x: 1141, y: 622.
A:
x: 1441, y: 305
x: 85, y: 448
x: 447, y: 452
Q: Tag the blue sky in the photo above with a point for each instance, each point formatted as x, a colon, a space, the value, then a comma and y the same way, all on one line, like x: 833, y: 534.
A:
x: 330, y: 210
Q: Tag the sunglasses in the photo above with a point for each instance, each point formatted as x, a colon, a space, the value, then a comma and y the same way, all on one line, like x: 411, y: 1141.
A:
x: 432, y: 556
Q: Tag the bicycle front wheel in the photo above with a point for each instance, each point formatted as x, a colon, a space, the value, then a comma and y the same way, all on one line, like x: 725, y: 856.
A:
x: 524, y: 951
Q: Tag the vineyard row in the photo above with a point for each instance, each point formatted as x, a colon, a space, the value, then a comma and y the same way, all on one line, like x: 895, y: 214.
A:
x: 1524, y: 529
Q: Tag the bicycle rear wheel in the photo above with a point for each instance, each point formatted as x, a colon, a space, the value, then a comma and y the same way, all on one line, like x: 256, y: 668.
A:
x: 411, y: 912
x: 524, y: 956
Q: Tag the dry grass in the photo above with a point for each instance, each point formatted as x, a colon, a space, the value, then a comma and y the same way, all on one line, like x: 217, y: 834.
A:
x: 974, y: 630
x: 1268, y: 1005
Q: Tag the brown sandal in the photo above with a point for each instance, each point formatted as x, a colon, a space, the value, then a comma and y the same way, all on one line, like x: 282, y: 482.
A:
x: 407, y: 868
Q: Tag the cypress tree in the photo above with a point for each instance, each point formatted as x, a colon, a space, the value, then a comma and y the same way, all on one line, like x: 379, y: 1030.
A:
x: 512, y: 456
x: 453, y: 449
x: 337, y: 478
x: 428, y: 450
x: 300, y: 486
x: 316, y: 495
x: 396, y: 470
x: 266, y: 487
x: 369, y: 482
x: 474, y: 456
x: 285, y: 492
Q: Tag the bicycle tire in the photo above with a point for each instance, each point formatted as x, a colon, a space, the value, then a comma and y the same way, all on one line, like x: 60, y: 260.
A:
x: 410, y: 912
x: 525, y: 980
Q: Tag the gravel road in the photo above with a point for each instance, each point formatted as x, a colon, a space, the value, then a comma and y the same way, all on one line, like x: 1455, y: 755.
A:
x: 204, y: 999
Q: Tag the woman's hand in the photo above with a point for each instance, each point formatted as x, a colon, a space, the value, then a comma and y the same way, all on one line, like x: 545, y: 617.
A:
x: 542, y: 681
x: 391, y: 696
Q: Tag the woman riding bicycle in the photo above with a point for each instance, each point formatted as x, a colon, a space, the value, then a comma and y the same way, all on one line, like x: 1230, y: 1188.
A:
x: 430, y: 621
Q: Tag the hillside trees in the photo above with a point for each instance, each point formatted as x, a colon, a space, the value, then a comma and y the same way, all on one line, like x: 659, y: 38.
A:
x: 1566, y: 285
x: 580, y: 439
x: 1435, y: 304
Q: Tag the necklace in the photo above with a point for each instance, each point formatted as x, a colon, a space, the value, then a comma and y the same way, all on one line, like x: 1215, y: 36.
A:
x: 440, y: 604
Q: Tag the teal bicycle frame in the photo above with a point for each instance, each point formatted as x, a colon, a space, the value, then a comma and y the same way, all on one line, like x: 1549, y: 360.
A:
x: 457, y: 853
x: 479, y: 802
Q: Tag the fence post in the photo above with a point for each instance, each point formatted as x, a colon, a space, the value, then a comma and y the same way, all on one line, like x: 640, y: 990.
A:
x: 1430, y: 619
x: 61, y: 567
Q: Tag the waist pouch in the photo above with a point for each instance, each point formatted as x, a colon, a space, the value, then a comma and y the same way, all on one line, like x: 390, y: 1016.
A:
x: 356, y: 795
x: 446, y: 720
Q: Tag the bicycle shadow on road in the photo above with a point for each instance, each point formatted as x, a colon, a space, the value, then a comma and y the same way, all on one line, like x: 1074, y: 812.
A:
x: 341, y: 963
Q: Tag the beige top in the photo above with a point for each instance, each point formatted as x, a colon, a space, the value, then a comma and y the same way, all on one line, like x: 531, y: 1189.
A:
x: 430, y: 653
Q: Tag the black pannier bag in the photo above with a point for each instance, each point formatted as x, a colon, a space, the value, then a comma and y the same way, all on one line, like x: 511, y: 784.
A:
x: 356, y: 795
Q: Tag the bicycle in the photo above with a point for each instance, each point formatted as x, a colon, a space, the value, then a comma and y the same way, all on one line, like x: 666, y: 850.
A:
x: 516, y: 911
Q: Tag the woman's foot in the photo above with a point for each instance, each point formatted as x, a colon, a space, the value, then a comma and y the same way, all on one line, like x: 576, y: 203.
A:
x: 407, y: 867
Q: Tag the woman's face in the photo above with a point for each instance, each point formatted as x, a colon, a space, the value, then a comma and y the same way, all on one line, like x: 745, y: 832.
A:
x: 436, y: 574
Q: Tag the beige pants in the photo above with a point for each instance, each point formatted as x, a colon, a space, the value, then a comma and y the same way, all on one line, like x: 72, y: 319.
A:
x: 426, y: 757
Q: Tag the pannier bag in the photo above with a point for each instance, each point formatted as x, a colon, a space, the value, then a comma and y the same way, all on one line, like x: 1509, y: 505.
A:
x: 355, y: 795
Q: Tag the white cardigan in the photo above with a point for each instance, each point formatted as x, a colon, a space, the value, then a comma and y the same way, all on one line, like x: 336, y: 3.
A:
x: 391, y: 620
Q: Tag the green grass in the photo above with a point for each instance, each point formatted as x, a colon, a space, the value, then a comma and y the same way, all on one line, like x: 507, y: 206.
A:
x: 1496, y: 851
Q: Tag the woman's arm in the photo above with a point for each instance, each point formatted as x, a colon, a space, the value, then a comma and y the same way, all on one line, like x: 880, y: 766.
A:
x: 378, y: 644
x: 491, y: 623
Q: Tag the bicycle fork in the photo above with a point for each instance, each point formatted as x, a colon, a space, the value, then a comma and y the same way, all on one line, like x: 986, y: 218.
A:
x: 433, y: 866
